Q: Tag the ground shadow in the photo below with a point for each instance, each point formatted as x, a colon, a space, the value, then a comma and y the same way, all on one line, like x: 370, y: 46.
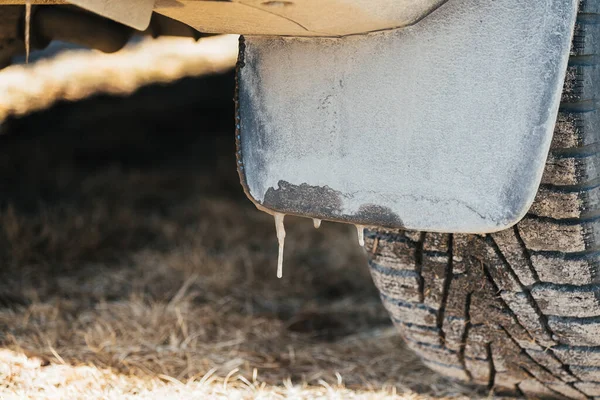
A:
x: 127, y: 243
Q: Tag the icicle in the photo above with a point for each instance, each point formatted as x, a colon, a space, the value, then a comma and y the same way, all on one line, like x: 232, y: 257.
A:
x: 361, y: 234
x: 27, y: 30
x: 317, y: 223
x: 281, y: 239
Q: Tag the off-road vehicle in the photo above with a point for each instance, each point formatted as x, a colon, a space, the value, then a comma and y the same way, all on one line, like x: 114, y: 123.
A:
x: 464, y: 134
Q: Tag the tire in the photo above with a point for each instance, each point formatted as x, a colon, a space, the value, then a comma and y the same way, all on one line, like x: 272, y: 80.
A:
x: 516, y: 311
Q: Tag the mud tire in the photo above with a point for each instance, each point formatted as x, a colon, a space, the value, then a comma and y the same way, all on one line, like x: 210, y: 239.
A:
x: 516, y: 311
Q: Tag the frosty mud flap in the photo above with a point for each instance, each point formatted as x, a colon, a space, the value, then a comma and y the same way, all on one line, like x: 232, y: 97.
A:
x: 442, y: 126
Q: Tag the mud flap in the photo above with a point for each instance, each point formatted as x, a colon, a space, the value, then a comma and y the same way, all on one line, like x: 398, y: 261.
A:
x: 442, y: 126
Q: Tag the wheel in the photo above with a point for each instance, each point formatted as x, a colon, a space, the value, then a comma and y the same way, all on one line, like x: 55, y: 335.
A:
x: 516, y: 311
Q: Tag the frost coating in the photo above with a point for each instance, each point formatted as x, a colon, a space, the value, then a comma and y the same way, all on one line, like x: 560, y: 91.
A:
x: 281, y: 240
x: 446, y: 123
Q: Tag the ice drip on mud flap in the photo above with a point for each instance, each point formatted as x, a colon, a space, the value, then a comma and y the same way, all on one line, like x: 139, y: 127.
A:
x: 281, y: 239
x: 280, y: 228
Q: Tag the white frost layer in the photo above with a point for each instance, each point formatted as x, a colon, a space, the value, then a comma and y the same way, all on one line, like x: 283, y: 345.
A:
x: 361, y: 235
x: 446, y: 123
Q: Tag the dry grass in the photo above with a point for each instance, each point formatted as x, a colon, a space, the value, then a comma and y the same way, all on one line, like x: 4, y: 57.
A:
x: 146, y: 273
x: 76, y: 75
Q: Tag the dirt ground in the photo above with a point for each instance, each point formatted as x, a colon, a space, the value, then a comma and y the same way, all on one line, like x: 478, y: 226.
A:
x: 133, y: 266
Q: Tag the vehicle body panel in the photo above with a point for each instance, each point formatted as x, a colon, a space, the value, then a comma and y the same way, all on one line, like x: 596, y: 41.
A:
x: 262, y: 17
x: 442, y: 126
x: 135, y: 13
